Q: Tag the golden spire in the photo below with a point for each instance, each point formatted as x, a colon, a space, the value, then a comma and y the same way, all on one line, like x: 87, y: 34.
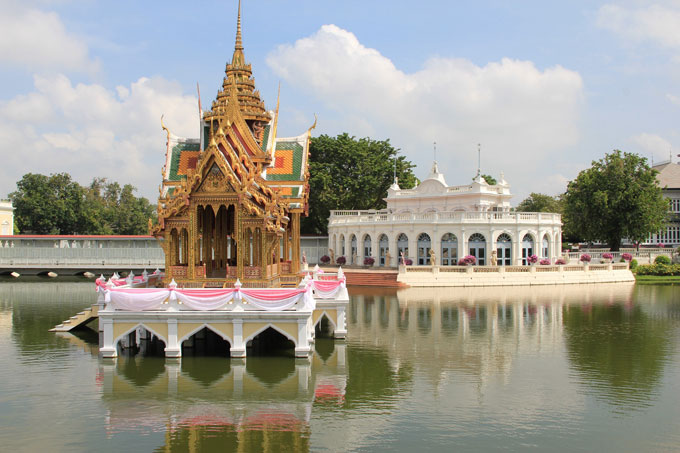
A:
x: 238, y: 59
x: 239, y: 43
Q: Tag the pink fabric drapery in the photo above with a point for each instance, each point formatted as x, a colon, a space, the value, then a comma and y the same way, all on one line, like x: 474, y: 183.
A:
x: 327, y: 289
x: 205, y: 299
x: 274, y: 299
x: 141, y: 299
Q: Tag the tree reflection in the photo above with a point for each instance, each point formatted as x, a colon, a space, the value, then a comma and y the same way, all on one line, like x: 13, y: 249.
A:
x: 370, y: 377
x: 618, y: 350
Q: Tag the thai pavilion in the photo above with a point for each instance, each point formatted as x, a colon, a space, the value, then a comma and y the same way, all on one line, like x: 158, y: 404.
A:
x: 444, y: 223
x: 231, y: 200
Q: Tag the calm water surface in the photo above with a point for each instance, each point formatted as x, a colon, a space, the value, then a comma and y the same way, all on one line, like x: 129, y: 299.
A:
x: 556, y: 368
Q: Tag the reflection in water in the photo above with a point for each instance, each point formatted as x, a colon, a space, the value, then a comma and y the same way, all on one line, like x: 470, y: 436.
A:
x: 422, y: 369
x: 37, y: 305
x: 261, y: 404
x: 618, y: 350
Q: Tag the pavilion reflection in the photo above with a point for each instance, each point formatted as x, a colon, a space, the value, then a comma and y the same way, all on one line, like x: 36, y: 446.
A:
x: 256, y: 403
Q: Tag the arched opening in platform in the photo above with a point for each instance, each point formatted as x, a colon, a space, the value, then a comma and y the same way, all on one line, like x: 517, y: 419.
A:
x: 205, y: 343
x: 270, y: 342
x: 324, y: 328
x: 142, y: 342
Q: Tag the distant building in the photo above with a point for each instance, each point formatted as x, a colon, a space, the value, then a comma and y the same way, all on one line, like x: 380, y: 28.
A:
x: 669, y: 181
x: 6, y: 218
x: 435, y: 220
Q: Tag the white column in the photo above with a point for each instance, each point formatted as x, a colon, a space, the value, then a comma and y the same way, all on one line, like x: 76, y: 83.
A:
x: 341, y: 327
x: 302, y: 349
x: 173, y: 348
x: 108, y: 349
x: 238, y: 349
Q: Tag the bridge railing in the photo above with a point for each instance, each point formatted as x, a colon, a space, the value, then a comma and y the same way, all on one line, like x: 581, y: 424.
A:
x: 27, y: 256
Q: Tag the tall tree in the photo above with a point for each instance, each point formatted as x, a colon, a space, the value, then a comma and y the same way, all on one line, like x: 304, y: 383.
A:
x: 538, y: 202
x: 350, y: 173
x: 56, y: 204
x: 618, y: 197
x: 48, y: 204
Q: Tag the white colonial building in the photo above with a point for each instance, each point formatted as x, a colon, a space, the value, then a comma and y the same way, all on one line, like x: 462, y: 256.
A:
x: 444, y: 223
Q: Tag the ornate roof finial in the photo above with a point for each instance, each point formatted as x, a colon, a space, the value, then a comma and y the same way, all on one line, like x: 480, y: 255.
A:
x: 239, y: 43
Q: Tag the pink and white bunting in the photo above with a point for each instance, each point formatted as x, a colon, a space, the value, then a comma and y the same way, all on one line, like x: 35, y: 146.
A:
x: 204, y: 300
x: 327, y: 289
x: 143, y: 299
x: 136, y: 299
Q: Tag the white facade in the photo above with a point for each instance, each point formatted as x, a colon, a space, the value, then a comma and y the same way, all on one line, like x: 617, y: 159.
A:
x: 434, y: 220
x: 6, y: 218
x: 668, y: 179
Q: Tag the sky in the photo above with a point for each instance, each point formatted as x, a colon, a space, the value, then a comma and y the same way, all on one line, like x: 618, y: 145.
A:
x: 543, y: 88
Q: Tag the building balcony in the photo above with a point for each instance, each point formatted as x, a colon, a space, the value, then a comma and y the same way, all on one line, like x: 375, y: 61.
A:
x: 352, y: 218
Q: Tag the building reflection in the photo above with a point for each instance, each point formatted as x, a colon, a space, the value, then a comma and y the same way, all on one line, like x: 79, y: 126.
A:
x: 231, y: 405
x: 618, y: 348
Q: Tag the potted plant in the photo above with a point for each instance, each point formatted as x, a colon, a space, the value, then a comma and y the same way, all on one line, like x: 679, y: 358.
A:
x: 544, y: 262
x: 560, y: 261
x: 585, y: 259
x: 626, y: 257
x: 341, y: 260
x: 369, y: 260
x: 408, y: 261
x: 325, y: 259
x: 532, y: 259
x: 467, y: 260
x: 607, y: 257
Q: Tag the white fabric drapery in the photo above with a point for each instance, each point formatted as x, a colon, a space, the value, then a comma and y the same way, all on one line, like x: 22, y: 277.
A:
x: 276, y: 299
x: 139, y: 299
x: 204, y: 300
x: 325, y: 289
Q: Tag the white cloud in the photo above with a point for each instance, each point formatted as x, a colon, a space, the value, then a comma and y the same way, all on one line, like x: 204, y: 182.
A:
x: 657, y: 23
x: 88, y: 130
x: 653, y: 145
x: 37, y: 40
x: 520, y: 114
x: 673, y: 98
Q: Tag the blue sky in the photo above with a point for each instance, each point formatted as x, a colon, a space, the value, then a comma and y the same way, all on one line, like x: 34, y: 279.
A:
x: 545, y: 87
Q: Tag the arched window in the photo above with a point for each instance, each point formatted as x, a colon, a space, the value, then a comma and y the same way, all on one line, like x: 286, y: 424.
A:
x: 402, y: 246
x: 384, y: 246
x: 424, y: 244
x: 545, y: 247
x: 527, y: 248
x: 504, y: 250
x: 449, y: 252
x: 342, y: 245
x: 353, y: 247
x: 477, y: 247
x: 367, y: 246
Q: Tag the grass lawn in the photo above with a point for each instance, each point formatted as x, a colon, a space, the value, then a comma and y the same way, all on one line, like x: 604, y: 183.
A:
x: 657, y: 279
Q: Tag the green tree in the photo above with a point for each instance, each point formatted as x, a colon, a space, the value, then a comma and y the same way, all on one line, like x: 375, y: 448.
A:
x: 56, y: 204
x: 618, y: 197
x: 490, y: 180
x: 350, y: 173
x: 48, y: 204
x: 538, y: 202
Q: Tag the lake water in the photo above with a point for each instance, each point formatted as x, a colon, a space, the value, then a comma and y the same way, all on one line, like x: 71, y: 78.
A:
x: 499, y: 369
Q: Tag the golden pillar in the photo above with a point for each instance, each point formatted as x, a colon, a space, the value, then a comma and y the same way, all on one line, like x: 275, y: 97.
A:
x: 295, y: 227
